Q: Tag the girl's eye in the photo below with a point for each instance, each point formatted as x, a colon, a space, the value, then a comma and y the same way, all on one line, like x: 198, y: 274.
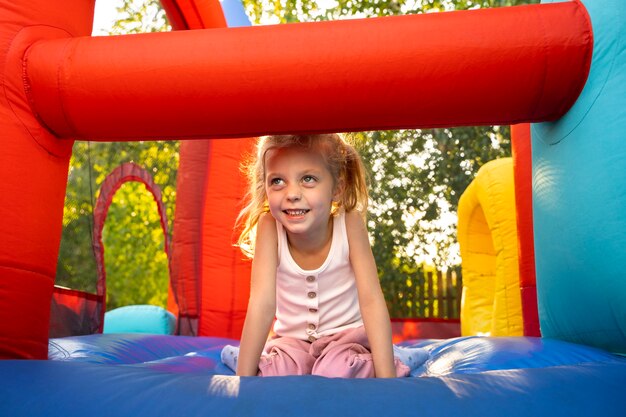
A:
x: 276, y: 181
x: 308, y: 179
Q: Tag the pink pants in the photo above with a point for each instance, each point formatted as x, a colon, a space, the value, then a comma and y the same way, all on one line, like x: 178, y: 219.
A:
x: 342, y: 355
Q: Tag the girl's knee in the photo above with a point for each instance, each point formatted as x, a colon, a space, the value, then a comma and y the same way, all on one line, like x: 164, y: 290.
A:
x: 279, y: 363
x: 349, y: 363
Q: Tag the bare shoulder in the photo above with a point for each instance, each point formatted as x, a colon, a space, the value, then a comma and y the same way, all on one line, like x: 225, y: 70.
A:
x: 266, y: 235
x: 354, y: 222
x: 266, y: 225
x: 266, y: 246
x: 361, y: 255
x: 356, y: 231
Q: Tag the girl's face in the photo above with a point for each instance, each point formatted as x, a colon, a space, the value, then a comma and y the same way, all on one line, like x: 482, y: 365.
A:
x: 300, y: 190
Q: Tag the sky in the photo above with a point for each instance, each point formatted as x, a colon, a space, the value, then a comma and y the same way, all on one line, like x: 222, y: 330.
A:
x: 104, y: 16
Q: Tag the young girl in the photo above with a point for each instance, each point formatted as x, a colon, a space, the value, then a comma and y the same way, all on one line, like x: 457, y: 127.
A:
x: 312, y: 268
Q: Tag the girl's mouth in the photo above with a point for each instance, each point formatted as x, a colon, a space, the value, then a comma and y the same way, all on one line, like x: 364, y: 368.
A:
x: 296, y: 212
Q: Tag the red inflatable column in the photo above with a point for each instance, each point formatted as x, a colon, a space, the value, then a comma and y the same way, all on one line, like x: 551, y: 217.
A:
x: 522, y: 165
x: 186, y: 238
x: 225, y: 273
x: 33, y: 176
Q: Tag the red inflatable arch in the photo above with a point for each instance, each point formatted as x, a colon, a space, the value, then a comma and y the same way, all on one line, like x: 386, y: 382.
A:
x: 120, y: 175
x: 492, y: 66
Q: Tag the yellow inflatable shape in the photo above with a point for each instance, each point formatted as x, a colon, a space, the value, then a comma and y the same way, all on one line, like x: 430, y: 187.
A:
x: 487, y: 234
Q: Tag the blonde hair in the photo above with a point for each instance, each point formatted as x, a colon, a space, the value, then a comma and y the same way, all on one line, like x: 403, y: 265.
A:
x: 341, y: 158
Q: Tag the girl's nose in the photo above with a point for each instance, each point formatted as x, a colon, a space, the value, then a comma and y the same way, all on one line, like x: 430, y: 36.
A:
x: 294, y: 194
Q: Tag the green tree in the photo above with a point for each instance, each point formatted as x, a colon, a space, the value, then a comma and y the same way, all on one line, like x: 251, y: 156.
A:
x: 288, y: 11
x: 140, y: 16
x: 417, y: 177
x: 137, y: 266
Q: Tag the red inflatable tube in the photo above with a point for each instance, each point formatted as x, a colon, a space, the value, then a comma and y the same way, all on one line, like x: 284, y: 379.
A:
x: 491, y: 66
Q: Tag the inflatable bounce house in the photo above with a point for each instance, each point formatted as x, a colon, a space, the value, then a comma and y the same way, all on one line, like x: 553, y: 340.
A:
x: 560, y: 66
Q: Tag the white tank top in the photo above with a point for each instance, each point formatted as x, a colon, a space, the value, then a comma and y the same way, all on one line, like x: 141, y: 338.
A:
x: 320, y: 302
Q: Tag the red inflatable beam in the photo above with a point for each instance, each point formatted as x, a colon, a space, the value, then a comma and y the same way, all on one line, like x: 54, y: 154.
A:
x: 491, y: 66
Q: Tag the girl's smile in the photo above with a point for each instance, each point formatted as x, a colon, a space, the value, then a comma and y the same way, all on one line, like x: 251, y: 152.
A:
x: 295, y: 213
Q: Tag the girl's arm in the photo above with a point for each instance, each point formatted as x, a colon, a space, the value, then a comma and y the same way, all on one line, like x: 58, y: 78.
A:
x: 262, y: 303
x: 371, y: 299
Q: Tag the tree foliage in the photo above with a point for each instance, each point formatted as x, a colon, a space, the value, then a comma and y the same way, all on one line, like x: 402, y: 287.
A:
x: 417, y: 176
x: 135, y: 257
x: 289, y: 11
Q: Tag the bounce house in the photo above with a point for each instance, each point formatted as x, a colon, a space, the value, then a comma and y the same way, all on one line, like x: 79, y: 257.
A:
x: 560, y: 66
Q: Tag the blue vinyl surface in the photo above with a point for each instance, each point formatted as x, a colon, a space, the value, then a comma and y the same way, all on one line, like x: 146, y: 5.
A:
x: 159, y: 375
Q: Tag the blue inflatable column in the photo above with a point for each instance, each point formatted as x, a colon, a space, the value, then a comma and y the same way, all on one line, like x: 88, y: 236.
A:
x: 579, y: 198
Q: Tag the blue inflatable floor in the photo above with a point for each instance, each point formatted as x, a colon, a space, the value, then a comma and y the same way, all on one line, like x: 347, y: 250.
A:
x: 143, y: 375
